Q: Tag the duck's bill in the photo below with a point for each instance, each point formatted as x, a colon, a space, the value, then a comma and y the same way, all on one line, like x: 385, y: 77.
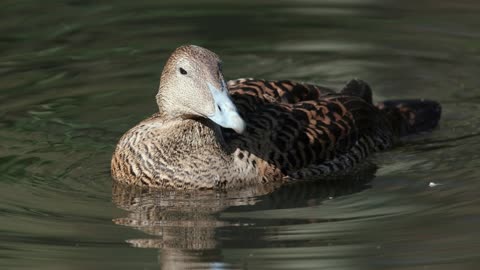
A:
x: 226, y: 114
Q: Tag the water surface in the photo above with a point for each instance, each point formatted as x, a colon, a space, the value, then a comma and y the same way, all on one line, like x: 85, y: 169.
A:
x: 75, y: 75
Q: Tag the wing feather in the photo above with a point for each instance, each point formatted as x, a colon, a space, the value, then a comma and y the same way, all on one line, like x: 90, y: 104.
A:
x: 299, y: 127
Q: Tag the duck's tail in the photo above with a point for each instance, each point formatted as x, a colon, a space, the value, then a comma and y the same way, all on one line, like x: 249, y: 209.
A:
x: 411, y: 116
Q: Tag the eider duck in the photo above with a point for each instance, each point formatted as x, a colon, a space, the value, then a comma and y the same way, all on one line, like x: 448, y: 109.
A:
x: 213, y: 134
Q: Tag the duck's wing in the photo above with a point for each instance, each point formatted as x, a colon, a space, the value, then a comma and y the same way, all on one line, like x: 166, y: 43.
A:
x: 285, y: 91
x: 312, y: 137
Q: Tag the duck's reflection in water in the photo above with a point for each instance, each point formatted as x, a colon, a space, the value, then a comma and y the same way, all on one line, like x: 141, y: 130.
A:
x: 185, y: 225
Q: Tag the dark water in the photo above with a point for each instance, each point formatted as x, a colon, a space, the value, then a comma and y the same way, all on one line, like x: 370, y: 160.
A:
x: 75, y: 75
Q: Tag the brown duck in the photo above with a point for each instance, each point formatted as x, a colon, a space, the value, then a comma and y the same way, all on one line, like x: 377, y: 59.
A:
x: 209, y: 134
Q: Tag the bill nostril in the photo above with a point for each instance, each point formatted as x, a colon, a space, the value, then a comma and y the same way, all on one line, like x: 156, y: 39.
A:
x: 220, y: 109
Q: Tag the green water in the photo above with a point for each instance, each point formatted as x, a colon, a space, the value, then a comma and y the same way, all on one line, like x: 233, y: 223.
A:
x: 75, y: 75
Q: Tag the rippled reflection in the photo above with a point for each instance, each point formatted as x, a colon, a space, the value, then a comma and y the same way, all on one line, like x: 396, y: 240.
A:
x: 186, y: 227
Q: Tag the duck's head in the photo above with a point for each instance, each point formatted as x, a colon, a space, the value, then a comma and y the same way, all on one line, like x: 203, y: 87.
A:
x: 192, y: 85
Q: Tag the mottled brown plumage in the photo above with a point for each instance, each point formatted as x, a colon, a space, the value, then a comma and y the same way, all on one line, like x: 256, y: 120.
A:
x: 285, y: 131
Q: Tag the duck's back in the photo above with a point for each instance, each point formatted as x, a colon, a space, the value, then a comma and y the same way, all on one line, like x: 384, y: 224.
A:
x: 307, y: 131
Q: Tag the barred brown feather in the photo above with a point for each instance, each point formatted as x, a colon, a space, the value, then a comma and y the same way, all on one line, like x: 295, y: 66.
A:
x: 310, y: 132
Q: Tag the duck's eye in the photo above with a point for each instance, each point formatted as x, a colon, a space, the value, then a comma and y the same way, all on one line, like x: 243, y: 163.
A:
x: 183, y: 71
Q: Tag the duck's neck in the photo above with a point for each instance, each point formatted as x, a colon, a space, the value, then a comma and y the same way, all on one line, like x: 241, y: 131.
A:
x: 194, y: 133
x: 204, y: 132
x: 170, y: 108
